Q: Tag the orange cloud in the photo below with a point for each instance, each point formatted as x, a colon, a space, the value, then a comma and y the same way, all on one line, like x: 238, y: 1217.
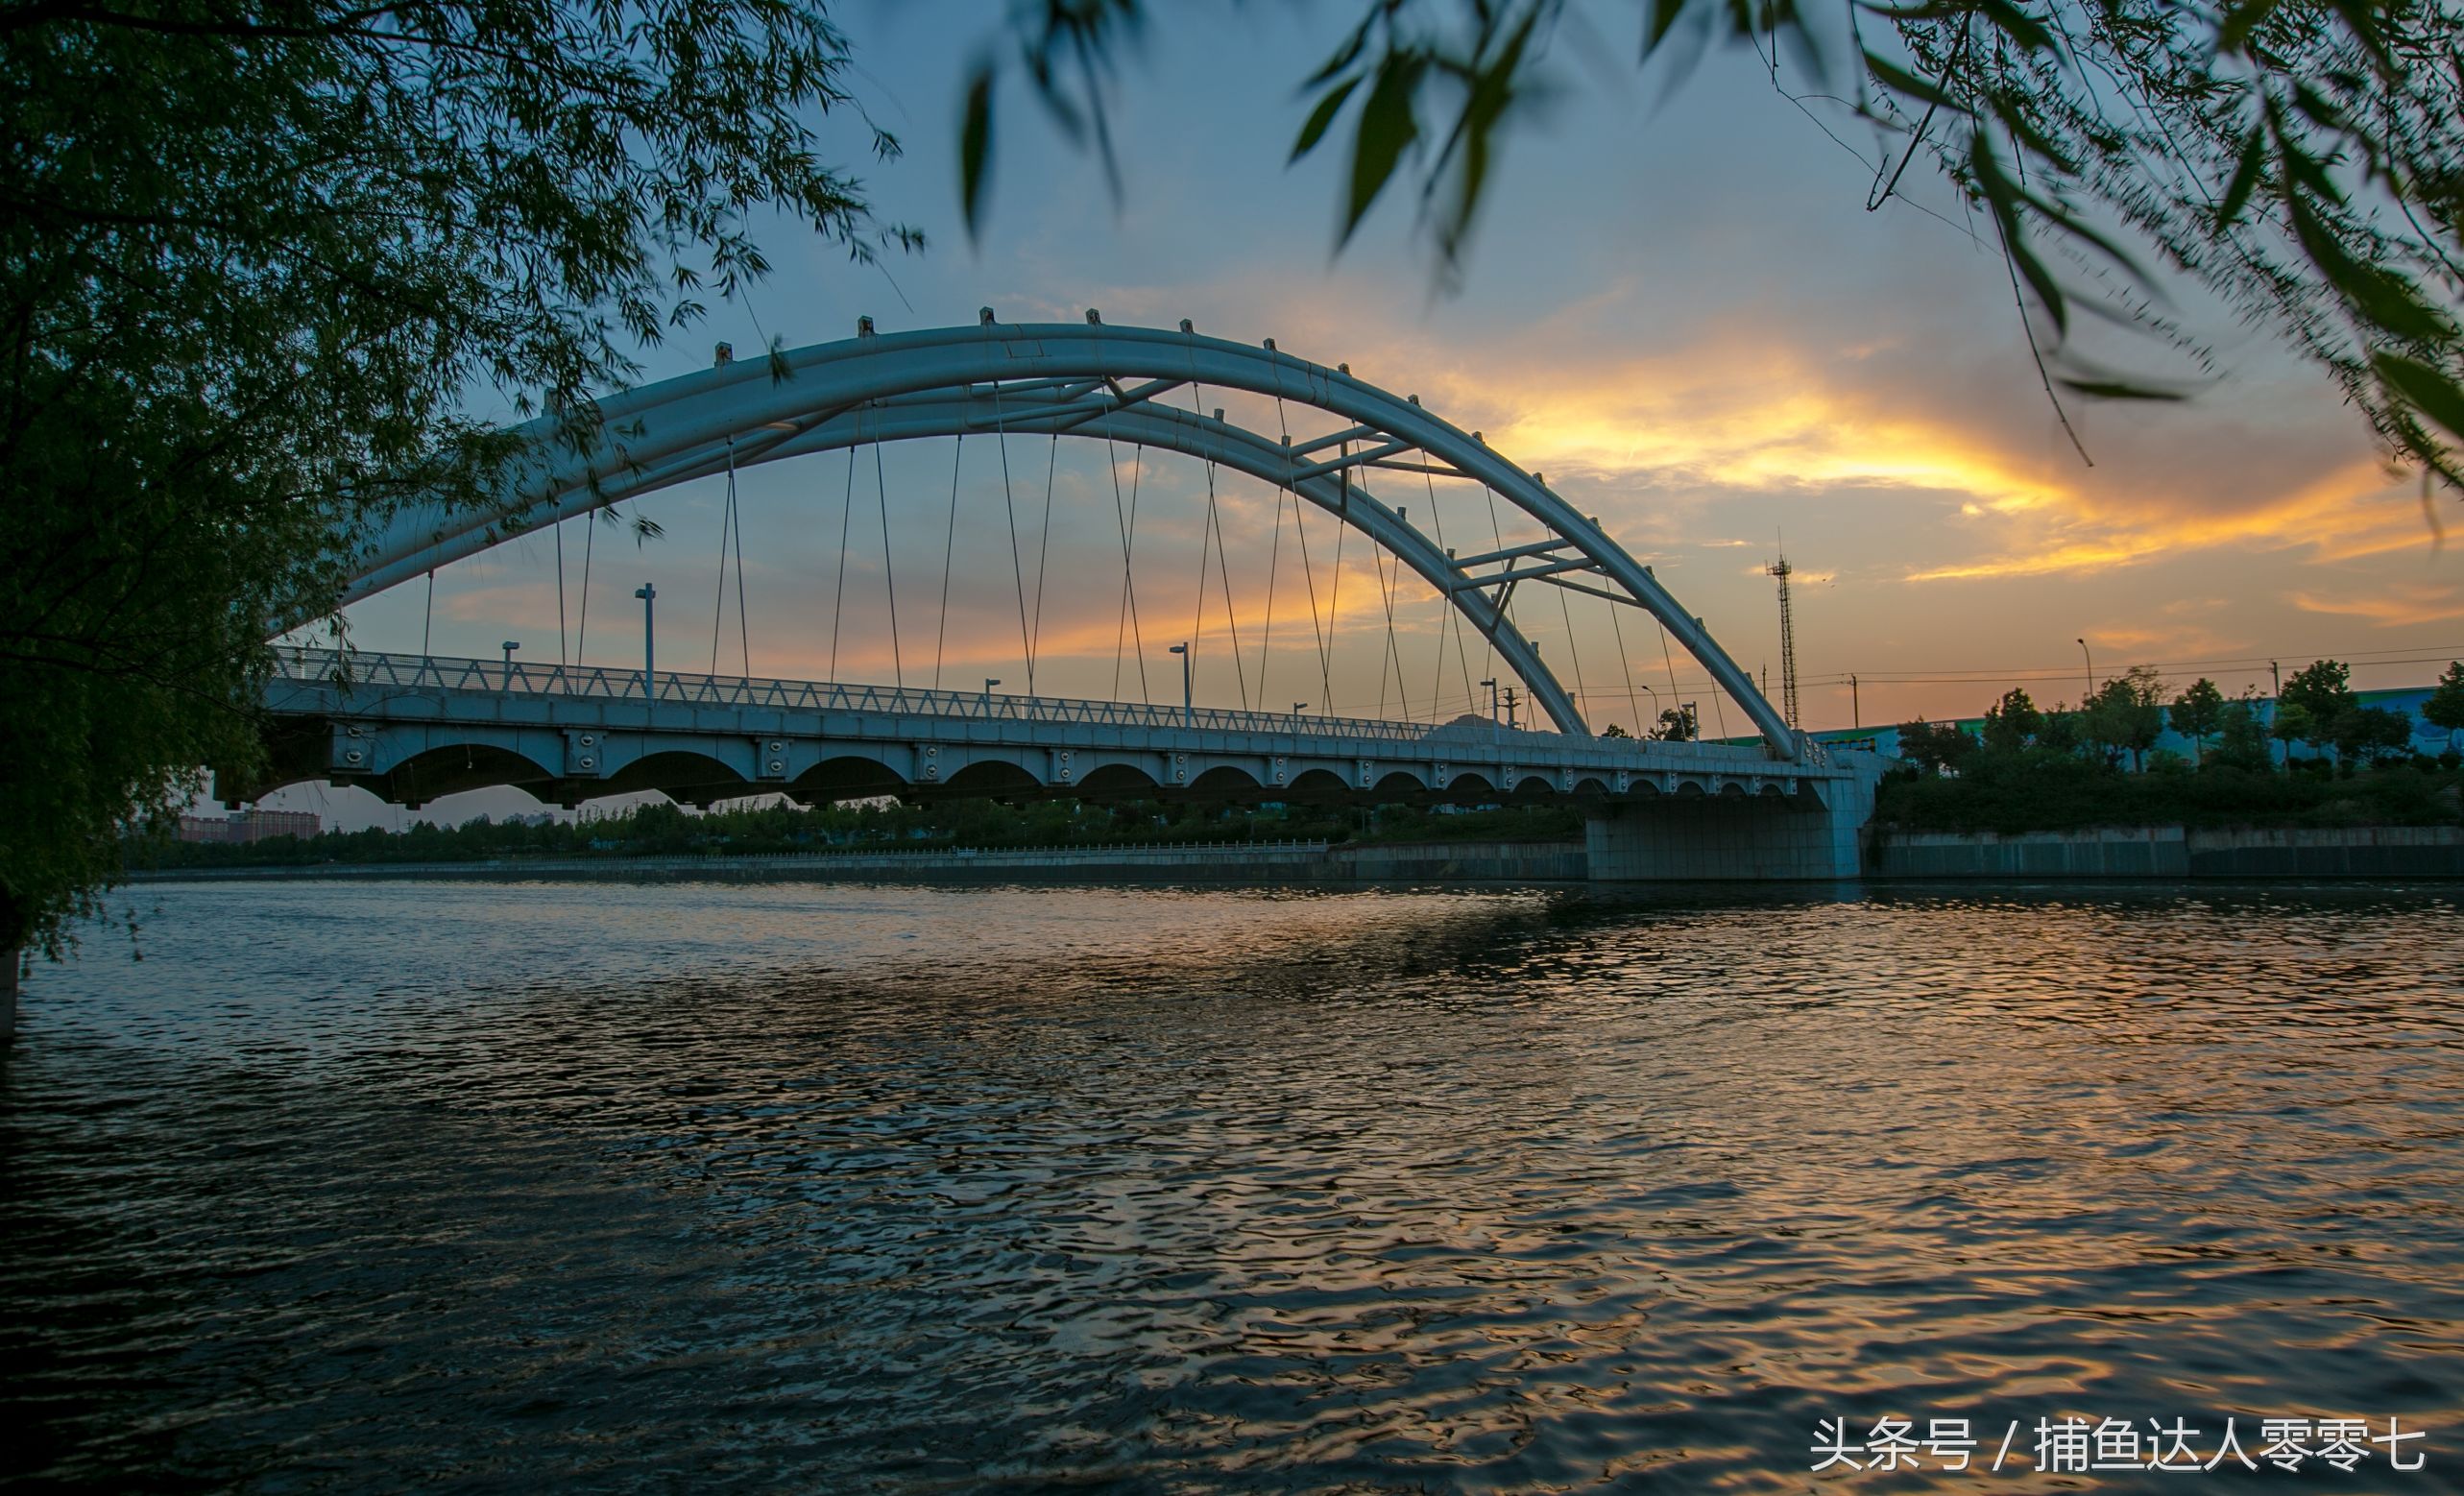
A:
x: 2405, y: 602
x: 1765, y: 410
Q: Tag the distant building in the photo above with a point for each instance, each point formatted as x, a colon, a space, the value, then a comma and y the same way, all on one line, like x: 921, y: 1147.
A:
x: 2428, y: 738
x: 246, y: 825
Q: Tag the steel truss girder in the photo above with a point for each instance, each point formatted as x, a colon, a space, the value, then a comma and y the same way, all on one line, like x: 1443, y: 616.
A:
x: 949, y: 382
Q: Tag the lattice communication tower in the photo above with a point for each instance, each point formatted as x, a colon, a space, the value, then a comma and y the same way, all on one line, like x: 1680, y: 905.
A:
x: 1787, y: 642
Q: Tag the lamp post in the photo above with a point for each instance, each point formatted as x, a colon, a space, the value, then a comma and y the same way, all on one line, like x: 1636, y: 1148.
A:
x: 2276, y: 704
x: 1493, y: 701
x: 1299, y: 707
x: 649, y: 593
x: 1187, y: 710
x: 1641, y: 730
x: 989, y: 683
x: 510, y: 645
x: 2091, y: 668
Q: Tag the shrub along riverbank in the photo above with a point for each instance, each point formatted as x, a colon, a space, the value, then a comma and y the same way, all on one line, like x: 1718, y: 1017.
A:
x: 2044, y: 791
x: 2055, y: 769
x: 666, y: 830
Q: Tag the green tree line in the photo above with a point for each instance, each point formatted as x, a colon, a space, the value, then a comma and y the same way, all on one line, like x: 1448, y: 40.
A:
x: 2032, y: 768
x: 664, y: 830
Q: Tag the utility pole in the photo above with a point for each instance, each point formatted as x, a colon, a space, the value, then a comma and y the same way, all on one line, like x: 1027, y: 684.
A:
x: 1857, y: 714
x: 2275, y: 704
x: 649, y: 593
x: 1782, y: 571
x: 1509, y: 708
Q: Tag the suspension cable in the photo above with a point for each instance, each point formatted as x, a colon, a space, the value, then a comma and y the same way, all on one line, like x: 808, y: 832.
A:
x: 1300, y: 533
x: 1016, y: 567
x: 1343, y: 532
x: 1633, y: 708
x: 1223, y: 568
x: 743, y: 622
x: 590, y: 543
x: 846, y: 507
x: 1565, y: 606
x: 726, y: 527
x: 560, y: 593
x: 1325, y: 665
x: 1393, y: 654
x: 1043, y: 556
x: 889, y: 562
x: 1125, y: 624
x: 1665, y: 658
x: 1452, y: 618
x: 1497, y: 534
x: 1275, y: 564
x: 948, y: 548
x: 1214, y: 524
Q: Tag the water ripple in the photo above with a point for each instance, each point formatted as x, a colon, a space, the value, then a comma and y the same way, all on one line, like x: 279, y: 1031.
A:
x: 488, y: 1186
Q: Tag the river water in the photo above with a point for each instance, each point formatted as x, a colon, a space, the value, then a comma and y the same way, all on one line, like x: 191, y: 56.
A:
x: 659, y: 1187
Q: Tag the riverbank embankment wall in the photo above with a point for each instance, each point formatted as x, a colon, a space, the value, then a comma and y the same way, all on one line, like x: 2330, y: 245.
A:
x: 2148, y: 852
x: 2390, y: 851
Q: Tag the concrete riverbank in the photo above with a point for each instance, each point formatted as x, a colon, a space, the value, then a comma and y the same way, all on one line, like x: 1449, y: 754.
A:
x: 1264, y: 861
x: 2134, y: 851
x: 2390, y: 851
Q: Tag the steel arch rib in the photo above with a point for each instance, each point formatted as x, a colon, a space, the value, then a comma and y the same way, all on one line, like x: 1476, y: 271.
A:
x: 945, y: 381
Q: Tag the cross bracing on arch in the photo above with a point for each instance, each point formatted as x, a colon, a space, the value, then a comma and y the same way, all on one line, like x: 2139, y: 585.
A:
x: 1096, y: 381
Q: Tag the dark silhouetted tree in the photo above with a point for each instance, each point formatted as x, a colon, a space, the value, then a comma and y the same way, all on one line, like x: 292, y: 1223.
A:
x: 2197, y: 714
x: 2444, y: 706
x: 267, y: 265
x: 2012, y: 723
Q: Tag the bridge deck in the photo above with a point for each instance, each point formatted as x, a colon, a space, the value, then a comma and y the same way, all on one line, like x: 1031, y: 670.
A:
x: 414, y: 727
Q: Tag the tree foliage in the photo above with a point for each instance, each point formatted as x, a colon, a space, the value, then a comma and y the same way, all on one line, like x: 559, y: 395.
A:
x: 2126, y: 714
x: 2197, y: 714
x: 266, y: 266
x: 2005, y: 786
x: 2303, y: 162
x: 2444, y: 706
x: 1935, y: 747
x: 2011, y: 723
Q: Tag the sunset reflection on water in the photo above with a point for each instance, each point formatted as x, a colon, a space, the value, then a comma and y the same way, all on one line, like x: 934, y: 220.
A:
x: 759, y: 1187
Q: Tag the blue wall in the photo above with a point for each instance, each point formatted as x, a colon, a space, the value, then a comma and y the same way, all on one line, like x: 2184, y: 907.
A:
x: 2408, y: 700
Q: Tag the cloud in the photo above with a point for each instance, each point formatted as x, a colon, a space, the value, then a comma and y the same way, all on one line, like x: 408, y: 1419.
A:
x: 2393, y: 606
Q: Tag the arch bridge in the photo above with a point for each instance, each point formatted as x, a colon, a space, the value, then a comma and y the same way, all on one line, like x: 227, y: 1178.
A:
x: 412, y: 728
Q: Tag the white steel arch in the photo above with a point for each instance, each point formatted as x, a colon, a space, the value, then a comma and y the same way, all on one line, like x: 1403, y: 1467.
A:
x: 1090, y: 381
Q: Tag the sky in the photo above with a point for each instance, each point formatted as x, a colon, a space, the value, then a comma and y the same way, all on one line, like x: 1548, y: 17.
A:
x: 1676, y: 306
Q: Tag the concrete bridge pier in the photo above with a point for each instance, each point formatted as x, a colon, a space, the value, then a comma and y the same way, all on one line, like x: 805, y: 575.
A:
x: 1736, y: 837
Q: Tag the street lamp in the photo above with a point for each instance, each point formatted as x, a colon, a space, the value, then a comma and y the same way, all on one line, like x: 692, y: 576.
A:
x: 2275, y: 704
x: 649, y: 593
x: 1493, y: 701
x: 510, y: 647
x: 989, y: 684
x: 1299, y: 707
x: 1639, y: 730
x: 2091, y: 668
x: 1189, y: 715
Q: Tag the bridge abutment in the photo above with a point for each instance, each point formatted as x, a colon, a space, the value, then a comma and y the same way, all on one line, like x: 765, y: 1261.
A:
x: 1814, y: 834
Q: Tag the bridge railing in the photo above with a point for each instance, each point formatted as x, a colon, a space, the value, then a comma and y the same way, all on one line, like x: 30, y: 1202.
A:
x: 376, y: 670
x: 605, y: 683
